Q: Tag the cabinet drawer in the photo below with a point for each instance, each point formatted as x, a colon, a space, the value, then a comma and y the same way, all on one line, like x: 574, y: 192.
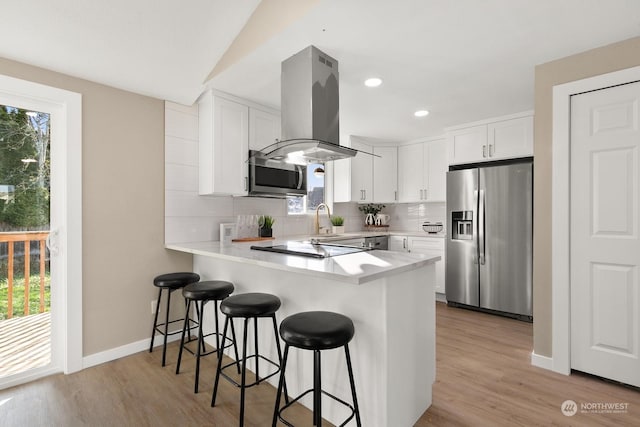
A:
x: 418, y: 244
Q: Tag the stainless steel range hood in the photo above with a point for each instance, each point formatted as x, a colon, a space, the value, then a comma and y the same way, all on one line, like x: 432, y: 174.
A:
x: 310, y: 128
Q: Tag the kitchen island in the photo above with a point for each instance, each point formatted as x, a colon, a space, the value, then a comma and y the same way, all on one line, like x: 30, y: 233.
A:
x: 388, y: 295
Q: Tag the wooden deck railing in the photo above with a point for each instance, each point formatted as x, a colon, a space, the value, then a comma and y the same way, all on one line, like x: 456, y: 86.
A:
x: 27, y: 237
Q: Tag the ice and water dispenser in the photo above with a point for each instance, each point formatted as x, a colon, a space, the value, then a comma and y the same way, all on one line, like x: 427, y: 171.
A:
x: 462, y: 225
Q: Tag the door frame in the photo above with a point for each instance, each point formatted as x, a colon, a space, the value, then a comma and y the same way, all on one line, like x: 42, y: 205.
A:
x: 66, y: 208
x: 560, y: 208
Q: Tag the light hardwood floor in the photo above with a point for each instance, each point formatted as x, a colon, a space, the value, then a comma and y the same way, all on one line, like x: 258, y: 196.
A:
x: 484, y: 378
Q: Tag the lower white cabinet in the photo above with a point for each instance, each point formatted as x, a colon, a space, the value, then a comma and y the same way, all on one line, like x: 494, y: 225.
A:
x: 399, y: 243
x: 422, y: 245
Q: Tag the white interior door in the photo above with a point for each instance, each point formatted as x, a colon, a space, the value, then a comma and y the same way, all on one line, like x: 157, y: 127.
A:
x: 605, y: 246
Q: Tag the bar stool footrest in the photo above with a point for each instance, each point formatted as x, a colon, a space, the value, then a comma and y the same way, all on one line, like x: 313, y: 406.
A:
x: 158, y: 331
x: 259, y: 380
x: 208, y: 352
x: 337, y: 399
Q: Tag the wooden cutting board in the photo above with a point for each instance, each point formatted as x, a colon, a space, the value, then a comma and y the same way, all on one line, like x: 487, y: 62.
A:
x: 252, y: 239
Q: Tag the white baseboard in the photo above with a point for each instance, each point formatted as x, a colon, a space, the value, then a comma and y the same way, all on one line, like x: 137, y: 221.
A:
x: 123, y: 351
x: 541, y: 361
x: 441, y: 297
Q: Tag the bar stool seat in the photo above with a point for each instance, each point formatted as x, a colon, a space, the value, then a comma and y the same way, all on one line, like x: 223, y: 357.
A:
x: 316, y: 331
x: 248, y: 306
x: 169, y: 282
x: 200, y: 293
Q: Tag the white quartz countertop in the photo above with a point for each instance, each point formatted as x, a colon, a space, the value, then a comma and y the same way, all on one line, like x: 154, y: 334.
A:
x: 356, y: 268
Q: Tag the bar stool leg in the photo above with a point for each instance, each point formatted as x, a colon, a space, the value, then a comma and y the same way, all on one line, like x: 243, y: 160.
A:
x: 255, y: 339
x: 280, y: 383
x: 275, y: 331
x: 166, y: 329
x: 317, y: 390
x: 184, y: 330
x: 353, y: 385
x: 235, y: 346
x: 155, y: 320
x: 200, y: 344
x: 244, y: 371
x: 217, y: 380
x: 215, y: 302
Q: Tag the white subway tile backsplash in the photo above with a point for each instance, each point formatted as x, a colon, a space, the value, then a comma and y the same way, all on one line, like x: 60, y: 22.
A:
x: 259, y: 206
x: 180, y: 151
x: 190, y: 229
x: 190, y: 204
x: 186, y: 109
x: 180, y: 124
x: 180, y: 177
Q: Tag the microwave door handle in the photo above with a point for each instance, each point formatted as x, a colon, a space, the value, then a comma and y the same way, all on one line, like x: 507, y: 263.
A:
x: 300, y: 176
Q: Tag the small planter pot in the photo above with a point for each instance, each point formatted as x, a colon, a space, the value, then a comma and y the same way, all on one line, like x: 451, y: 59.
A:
x: 266, y: 232
x: 337, y: 229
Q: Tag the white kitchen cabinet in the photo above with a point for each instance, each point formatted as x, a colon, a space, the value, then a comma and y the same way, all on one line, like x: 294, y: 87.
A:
x: 495, y: 139
x: 468, y: 145
x: 365, y: 178
x: 436, y: 171
x: 385, y: 175
x: 431, y: 245
x: 264, y: 128
x: 399, y: 243
x: 223, y: 146
x: 422, y: 170
x: 510, y: 138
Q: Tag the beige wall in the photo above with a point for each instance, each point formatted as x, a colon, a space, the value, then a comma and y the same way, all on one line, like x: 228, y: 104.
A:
x: 123, y: 207
x: 602, y: 60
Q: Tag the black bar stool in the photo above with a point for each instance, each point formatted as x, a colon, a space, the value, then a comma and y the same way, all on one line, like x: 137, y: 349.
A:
x: 248, y: 306
x: 202, y: 293
x: 169, y: 282
x: 316, y: 330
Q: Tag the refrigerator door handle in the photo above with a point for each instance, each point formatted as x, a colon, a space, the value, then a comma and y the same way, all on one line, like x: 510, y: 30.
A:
x: 481, y: 230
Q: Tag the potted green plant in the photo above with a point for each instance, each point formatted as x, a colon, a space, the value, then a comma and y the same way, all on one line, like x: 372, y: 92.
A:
x: 370, y: 210
x: 266, y: 225
x: 338, y: 224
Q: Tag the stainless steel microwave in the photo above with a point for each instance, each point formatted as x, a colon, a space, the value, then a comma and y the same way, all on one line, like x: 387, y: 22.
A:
x: 275, y: 178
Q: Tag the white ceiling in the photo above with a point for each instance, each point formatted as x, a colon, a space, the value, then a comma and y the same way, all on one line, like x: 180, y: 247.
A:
x: 463, y: 60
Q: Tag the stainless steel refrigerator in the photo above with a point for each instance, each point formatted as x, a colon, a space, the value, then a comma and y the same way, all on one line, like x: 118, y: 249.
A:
x: 489, y: 239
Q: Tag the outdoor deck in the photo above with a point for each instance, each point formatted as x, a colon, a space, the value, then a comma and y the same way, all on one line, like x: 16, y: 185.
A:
x: 24, y: 343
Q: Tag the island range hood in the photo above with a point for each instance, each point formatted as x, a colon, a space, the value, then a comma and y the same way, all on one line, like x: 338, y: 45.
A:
x: 310, y: 128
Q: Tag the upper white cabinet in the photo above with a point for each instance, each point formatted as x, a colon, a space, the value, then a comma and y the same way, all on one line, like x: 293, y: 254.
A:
x: 365, y: 178
x: 496, y: 139
x: 510, y: 138
x: 385, y: 176
x: 223, y: 146
x: 264, y: 128
x: 422, y: 170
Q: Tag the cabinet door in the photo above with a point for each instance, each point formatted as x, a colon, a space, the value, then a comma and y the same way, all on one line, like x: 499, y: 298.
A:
x: 224, y: 146
x: 510, y: 138
x: 410, y: 173
x: 264, y: 128
x: 398, y: 243
x: 431, y: 246
x: 385, y: 174
x: 436, y: 170
x: 468, y: 145
x: 361, y: 174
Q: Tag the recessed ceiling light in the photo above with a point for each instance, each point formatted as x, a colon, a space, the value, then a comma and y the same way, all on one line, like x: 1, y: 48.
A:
x: 421, y: 113
x: 373, y: 82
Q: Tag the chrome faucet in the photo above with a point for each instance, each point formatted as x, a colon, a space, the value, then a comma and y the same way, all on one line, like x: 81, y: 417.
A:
x: 317, y: 222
